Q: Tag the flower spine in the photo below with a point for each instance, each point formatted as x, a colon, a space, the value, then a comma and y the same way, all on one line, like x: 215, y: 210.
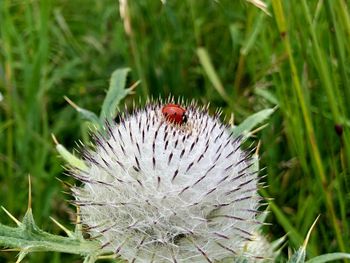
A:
x: 156, y: 191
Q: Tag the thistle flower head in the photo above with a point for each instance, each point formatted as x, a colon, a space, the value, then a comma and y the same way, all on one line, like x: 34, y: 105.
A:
x: 163, y: 191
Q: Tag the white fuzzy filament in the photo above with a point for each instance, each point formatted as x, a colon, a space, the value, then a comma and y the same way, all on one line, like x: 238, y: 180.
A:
x: 159, y: 192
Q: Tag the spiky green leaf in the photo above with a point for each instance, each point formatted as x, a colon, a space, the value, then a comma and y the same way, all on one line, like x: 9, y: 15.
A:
x: 89, y: 116
x: 70, y: 158
x: 298, y: 257
x: 251, y: 122
x: 28, y: 237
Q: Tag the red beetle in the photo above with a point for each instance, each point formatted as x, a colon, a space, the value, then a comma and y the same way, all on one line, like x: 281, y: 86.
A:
x: 174, y: 113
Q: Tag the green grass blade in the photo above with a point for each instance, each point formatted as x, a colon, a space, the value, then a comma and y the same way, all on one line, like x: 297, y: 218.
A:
x: 209, y: 69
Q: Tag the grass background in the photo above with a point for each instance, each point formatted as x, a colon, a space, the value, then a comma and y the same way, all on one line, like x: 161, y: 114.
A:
x: 297, y: 58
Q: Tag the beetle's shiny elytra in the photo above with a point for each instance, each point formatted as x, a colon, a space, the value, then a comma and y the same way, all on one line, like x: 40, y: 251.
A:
x: 174, y: 113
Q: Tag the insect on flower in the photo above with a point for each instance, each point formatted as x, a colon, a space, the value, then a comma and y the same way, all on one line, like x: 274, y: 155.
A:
x: 174, y: 113
x: 154, y: 192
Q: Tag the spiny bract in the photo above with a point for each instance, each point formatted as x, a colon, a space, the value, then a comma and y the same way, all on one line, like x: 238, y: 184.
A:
x: 155, y: 191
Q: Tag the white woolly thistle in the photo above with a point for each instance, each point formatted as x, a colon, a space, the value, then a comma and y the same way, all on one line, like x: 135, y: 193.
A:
x: 155, y: 191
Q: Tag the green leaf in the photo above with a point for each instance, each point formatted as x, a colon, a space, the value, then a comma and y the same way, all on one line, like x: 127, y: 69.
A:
x: 28, y: 237
x: 70, y: 158
x: 299, y: 256
x: 252, y: 121
x: 85, y: 114
x: 267, y: 95
x: 278, y: 243
x: 329, y: 257
x: 89, y: 116
x: 115, y: 93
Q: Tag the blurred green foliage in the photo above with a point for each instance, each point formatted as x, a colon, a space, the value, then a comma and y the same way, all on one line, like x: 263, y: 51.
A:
x: 225, y: 52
